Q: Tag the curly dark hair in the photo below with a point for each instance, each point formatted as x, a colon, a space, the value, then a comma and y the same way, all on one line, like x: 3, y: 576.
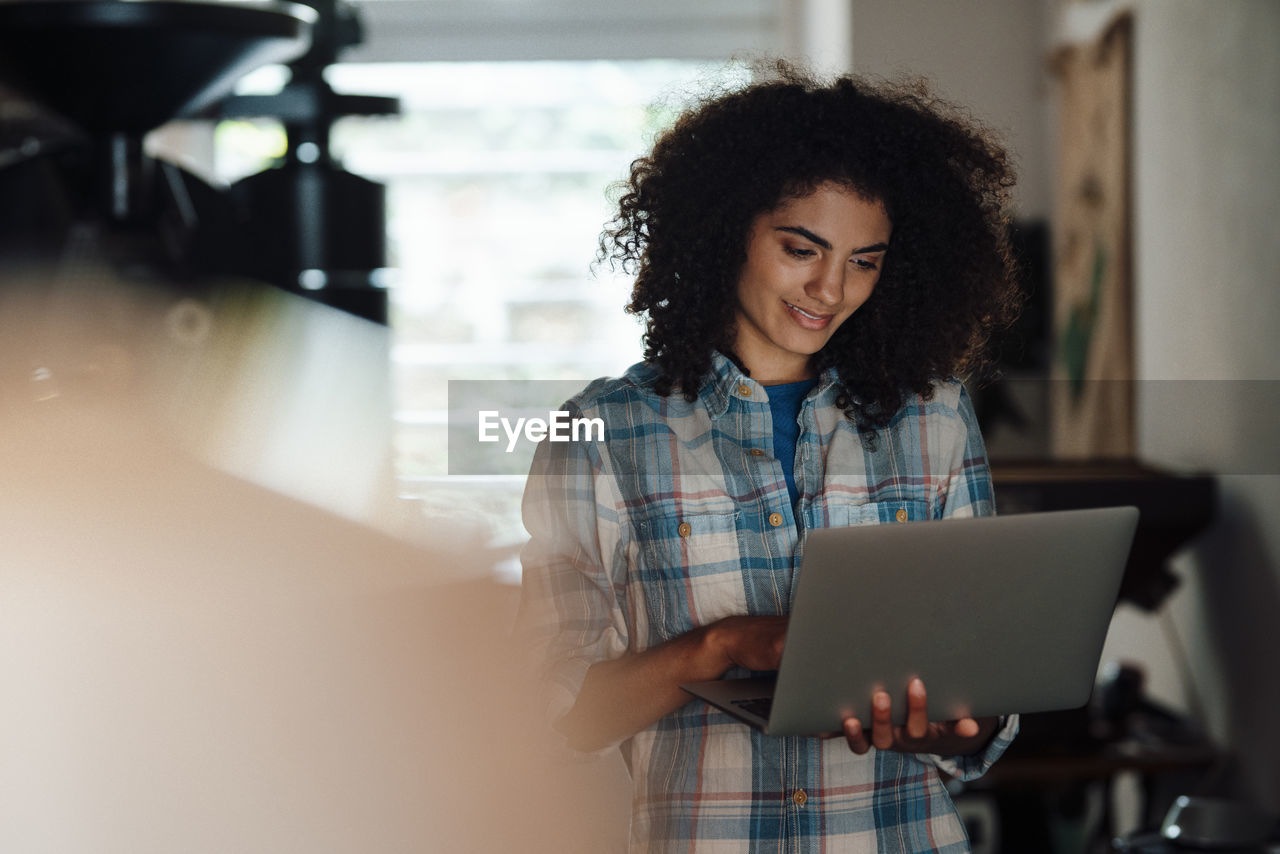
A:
x: 946, y: 286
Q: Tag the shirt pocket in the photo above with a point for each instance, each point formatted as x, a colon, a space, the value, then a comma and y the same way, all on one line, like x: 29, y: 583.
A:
x: 690, y: 571
x: 878, y: 512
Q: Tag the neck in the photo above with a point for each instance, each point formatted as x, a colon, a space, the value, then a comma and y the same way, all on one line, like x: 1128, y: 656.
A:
x: 781, y: 374
x: 771, y: 369
x: 785, y: 382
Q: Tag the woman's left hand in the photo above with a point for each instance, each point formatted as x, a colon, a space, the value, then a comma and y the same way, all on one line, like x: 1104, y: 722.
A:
x: 920, y: 735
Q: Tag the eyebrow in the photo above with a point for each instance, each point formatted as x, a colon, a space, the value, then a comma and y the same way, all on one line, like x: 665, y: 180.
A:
x: 825, y: 244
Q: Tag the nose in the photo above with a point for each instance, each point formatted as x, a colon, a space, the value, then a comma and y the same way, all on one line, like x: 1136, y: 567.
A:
x: 827, y: 284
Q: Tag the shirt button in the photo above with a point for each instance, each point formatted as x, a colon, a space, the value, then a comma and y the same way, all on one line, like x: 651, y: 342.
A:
x: 685, y: 529
x: 744, y: 390
x: 775, y: 519
x: 756, y: 452
x: 901, y: 515
x: 799, y: 797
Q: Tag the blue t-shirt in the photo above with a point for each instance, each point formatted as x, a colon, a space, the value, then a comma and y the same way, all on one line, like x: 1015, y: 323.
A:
x: 784, y: 405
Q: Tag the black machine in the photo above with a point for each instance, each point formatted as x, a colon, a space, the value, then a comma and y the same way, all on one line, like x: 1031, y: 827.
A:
x: 328, y: 227
x: 81, y: 84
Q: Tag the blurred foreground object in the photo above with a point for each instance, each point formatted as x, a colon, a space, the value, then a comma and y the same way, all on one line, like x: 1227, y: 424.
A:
x: 193, y: 662
x: 276, y: 390
x: 206, y: 644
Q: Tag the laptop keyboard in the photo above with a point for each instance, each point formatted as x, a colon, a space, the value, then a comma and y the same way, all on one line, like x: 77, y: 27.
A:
x: 756, y: 706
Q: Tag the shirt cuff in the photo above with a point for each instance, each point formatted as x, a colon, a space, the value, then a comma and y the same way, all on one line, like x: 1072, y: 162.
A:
x: 561, y: 694
x: 972, y: 767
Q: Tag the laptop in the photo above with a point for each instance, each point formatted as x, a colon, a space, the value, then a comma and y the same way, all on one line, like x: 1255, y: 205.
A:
x: 997, y: 614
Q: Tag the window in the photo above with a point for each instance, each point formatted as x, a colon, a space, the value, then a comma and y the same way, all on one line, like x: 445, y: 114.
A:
x: 497, y: 177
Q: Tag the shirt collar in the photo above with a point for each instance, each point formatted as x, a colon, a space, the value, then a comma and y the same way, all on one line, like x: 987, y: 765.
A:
x: 726, y: 381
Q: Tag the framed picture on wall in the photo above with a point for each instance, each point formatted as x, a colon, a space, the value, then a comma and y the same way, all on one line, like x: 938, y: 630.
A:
x: 1091, y: 400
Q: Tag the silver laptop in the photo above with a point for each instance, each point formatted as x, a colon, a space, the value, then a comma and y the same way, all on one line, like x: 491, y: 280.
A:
x: 998, y: 615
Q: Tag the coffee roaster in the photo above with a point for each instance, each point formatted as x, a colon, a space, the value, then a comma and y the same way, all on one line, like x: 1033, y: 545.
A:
x: 84, y: 81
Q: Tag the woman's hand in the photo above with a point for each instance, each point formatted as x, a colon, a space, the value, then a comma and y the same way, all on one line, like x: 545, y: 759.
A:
x: 754, y: 643
x: 622, y: 696
x: 920, y: 735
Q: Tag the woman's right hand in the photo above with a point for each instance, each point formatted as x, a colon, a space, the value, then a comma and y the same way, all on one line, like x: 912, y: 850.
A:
x: 753, y: 643
x: 622, y: 696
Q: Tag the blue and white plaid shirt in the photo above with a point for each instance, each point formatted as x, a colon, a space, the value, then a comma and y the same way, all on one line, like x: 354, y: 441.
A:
x: 682, y: 517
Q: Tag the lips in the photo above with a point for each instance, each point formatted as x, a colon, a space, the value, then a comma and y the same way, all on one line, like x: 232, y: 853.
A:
x: 807, y: 319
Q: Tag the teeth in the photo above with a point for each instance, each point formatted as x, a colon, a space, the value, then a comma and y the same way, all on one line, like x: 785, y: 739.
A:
x: 805, y: 313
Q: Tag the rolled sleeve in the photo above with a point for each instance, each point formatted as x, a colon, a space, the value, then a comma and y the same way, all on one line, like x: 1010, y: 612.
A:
x: 972, y: 767
x: 573, y: 605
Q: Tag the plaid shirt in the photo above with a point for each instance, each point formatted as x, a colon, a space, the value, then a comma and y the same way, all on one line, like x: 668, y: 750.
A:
x: 682, y: 517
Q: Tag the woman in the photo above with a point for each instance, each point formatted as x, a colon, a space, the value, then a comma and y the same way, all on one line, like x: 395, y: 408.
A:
x: 815, y: 263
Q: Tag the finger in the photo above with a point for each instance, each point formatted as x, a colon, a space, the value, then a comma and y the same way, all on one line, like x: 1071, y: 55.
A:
x: 967, y: 728
x: 856, y: 736
x: 881, y: 721
x: 917, y: 709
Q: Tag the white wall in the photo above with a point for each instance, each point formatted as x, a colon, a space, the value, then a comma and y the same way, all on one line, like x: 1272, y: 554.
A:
x: 1207, y: 315
x: 987, y: 55
x: 1207, y: 194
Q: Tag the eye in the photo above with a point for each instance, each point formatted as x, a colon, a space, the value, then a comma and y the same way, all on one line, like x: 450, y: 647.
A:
x: 799, y: 252
x: 864, y: 264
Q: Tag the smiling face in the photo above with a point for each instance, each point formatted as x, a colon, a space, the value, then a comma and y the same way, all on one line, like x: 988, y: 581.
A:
x: 811, y: 263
